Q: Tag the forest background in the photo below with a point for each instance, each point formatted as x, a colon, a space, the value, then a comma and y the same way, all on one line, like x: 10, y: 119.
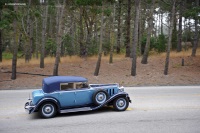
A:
x: 134, y: 43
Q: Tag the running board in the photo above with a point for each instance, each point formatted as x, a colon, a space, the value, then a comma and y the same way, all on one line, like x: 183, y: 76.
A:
x: 76, y: 110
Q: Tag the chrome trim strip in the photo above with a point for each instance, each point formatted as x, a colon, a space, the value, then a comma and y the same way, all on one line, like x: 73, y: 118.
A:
x: 76, y: 110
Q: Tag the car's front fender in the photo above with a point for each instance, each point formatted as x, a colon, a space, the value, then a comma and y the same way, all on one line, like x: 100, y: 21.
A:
x: 47, y: 99
x: 120, y: 94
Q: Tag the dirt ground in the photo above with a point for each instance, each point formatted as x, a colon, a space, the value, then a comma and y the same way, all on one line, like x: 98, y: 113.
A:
x: 150, y: 74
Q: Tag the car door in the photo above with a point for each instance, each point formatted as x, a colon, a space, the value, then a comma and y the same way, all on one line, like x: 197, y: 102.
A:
x: 83, y: 97
x: 67, y: 99
x: 67, y: 95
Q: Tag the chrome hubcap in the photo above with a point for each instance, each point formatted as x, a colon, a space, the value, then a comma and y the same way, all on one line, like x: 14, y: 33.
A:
x: 47, y: 109
x: 100, y: 97
x: 121, y: 103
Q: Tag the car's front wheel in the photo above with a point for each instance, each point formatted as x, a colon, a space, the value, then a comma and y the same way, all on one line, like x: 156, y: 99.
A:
x: 120, y: 104
x: 47, y: 110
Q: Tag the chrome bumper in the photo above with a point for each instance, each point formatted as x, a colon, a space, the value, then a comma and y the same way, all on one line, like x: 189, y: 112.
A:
x: 29, y: 107
x: 129, y: 99
x: 127, y: 96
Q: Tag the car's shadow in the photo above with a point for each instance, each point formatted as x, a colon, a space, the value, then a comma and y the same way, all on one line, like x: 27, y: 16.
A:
x: 106, y: 109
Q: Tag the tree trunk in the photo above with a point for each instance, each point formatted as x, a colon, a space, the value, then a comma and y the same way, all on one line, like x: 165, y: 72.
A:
x: 88, y: 40
x: 147, y: 47
x: 27, y: 43
x: 135, y: 38
x: 119, y: 27
x: 140, y: 34
x: 36, y: 37
x: 51, y: 26
x: 1, y: 45
x: 81, y: 34
x: 60, y: 28
x: 196, y: 38
x: 89, y: 21
x: 96, y: 72
x: 174, y: 34
x: 170, y: 38
x: 95, y: 34
x: 111, y: 47
x: 179, y: 46
x: 72, y: 33
x: 58, y: 49
x: 31, y: 41
x: 161, y: 23
x: 128, y: 29
x: 15, y: 46
x: 112, y: 36
x: 44, y: 25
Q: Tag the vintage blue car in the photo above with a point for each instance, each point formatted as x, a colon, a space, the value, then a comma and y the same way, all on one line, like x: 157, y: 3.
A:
x: 64, y: 94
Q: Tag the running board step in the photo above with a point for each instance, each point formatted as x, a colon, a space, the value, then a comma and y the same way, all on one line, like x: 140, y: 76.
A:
x: 76, y: 110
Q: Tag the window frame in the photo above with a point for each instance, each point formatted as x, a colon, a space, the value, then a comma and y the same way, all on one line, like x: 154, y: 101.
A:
x: 67, y: 89
x: 74, y: 86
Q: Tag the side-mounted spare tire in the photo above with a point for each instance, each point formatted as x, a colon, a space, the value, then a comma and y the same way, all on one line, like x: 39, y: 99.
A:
x: 99, y: 97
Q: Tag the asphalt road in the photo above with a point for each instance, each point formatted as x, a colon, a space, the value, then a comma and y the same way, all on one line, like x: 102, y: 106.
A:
x: 153, y: 110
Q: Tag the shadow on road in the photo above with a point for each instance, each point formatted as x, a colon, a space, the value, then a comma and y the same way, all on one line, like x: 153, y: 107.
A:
x: 101, y: 110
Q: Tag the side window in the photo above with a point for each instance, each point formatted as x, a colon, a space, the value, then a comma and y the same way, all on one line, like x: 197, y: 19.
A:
x: 66, y: 86
x: 81, y: 85
x: 85, y: 85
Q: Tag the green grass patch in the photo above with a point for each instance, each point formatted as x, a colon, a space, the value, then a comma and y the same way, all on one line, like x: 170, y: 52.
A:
x: 8, y: 55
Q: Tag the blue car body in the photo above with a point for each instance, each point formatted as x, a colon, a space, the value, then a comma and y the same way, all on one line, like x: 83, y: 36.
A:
x: 73, y: 94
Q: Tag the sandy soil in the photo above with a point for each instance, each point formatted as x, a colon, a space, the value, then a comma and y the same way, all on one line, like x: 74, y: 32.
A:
x: 150, y: 74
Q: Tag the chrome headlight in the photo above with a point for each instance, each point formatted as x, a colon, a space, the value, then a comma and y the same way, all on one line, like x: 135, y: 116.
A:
x: 121, y: 88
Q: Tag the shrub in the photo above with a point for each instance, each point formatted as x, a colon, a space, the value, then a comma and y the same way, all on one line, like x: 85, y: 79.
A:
x: 50, y: 47
x: 160, y: 45
x: 156, y: 44
x: 143, y: 43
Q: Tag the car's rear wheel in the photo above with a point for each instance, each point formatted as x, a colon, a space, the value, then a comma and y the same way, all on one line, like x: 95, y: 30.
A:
x: 100, y: 97
x: 47, y: 110
x: 120, y: 104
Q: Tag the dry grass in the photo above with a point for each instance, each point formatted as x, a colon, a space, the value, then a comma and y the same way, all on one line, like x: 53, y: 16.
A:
x: 118, y: 72
x: 77, y: 59
x: 51, y: 60
x: 174, y: 54
x: 34, y: 61
x: 182, y: 53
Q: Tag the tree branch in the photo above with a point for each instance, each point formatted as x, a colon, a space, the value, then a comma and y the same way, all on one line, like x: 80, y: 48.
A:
x: 165, y: 2
x: 23, y: 27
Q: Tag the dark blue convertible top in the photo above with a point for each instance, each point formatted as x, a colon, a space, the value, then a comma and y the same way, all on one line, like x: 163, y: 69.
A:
x: 51, y: 84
